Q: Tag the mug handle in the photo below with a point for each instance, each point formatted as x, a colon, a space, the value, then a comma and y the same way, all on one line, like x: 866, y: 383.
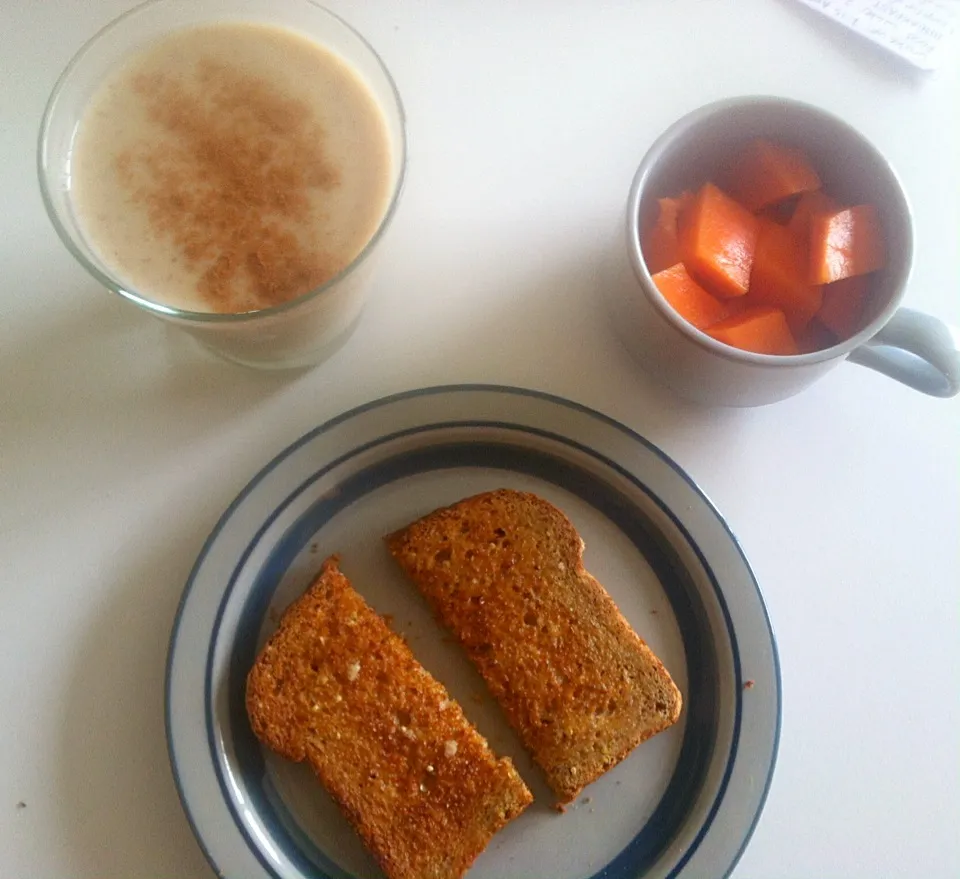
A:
x: 916, y: 349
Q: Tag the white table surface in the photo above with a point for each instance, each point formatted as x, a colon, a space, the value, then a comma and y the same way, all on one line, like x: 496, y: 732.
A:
x: 121, y: 443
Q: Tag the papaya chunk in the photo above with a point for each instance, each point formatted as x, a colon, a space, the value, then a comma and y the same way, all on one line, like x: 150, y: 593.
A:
x: 815, y: 337
x: 765, y: 172
x: 688, y: 299
x: 845, y: 243
x: 844, y: 305
x: 659, y: 242
x: 779, y: 276
x: 763, y: 330
x: 810, y: 205
x: 718, y: 238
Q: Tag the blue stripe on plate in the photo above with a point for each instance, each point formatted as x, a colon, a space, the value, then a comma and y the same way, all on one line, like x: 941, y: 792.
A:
x: 695, y: 754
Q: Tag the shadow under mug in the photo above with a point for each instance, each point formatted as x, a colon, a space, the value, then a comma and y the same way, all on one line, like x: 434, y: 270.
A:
x: 298, y: 333
x: 910, y: 346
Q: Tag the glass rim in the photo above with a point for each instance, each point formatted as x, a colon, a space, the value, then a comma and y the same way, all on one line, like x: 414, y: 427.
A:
x: 159, y: 308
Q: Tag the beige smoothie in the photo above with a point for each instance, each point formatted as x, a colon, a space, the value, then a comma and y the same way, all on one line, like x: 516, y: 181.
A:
x: 230, y: 168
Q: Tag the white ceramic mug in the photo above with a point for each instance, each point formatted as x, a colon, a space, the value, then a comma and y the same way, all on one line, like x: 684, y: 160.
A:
x: 914, y: 348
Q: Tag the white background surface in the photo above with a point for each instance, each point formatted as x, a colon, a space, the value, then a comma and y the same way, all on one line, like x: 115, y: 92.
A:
x: 121, y: 443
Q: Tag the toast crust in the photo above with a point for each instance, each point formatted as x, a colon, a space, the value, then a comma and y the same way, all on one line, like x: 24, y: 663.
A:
x: 335, y: 687
x: 504, y: 573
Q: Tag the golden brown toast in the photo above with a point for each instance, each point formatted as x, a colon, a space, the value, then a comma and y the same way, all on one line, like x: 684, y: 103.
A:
x: 503, y: 571
x: 336, y: 687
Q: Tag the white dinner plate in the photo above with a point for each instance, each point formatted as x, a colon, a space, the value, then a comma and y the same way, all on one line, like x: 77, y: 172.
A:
x: 682, y: 805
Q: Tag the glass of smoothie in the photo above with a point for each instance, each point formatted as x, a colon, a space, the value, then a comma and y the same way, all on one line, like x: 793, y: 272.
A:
x: 229, y: 166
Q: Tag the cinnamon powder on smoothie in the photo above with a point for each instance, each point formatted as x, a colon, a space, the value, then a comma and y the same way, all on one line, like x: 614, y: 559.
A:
x: 231, y: 185
x: 231, y: 167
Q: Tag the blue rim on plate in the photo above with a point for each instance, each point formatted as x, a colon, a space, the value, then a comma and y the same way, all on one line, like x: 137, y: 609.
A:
x: 705, y: 813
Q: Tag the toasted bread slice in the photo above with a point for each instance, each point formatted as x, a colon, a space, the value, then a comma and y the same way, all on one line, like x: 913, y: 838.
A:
x: 503, y: 571
x: 336, y: 687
